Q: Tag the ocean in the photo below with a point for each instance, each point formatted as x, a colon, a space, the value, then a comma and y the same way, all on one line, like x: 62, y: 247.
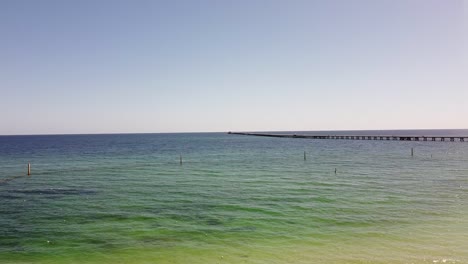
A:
x: 219, y: 198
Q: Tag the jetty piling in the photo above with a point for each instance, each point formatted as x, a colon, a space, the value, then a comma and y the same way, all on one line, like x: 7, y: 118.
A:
x: 29, y: 169
x: 362, y: 137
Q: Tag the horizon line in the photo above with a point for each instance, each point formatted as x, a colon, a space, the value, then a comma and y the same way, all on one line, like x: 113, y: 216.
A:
x: 206, y: 132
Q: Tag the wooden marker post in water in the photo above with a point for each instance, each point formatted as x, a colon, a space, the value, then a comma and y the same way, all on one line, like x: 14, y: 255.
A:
x: 305, y: 157
x: 412, y: 152
x: 180, y: 159
x: 29, y: 169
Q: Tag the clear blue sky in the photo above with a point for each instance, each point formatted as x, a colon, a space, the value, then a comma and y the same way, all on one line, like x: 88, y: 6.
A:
x: 172, y: 66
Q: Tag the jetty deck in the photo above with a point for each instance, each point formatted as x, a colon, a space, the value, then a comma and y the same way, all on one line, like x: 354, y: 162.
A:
x: 360, y: 137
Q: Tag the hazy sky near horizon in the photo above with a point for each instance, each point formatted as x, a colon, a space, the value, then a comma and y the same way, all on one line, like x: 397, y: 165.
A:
x: 179, y: 66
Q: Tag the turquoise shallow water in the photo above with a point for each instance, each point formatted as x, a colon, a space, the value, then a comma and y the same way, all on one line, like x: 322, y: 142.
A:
x: 235, y: 199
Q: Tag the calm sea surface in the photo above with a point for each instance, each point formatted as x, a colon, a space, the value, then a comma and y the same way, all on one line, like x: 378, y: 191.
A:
x: 235, y: 199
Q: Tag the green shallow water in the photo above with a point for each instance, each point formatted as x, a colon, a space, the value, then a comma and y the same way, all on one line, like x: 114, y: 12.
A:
x: 235, y: 199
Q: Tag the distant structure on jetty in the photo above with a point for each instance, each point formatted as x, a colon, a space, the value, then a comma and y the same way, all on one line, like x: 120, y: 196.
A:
x: 360, y: 137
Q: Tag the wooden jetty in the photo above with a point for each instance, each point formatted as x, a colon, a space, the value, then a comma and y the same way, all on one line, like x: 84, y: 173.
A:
x: 361, y: 137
